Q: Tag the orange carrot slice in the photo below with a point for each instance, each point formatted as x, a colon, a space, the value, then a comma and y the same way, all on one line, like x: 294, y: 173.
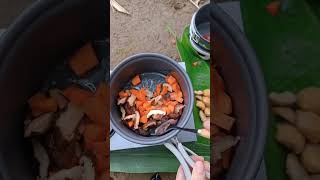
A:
x: 175, y: 87
x: 130, y: 123
x: 77, y: 95
x: 123, y: 94
x: 164, y: 90
x: 136, y: 80
x: 158, y: 90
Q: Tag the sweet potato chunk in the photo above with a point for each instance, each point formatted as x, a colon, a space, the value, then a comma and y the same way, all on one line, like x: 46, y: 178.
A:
x: 83, y: 60
x: 40, y: 103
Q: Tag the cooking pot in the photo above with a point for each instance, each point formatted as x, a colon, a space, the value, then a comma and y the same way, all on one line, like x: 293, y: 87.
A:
x: 238, y: 65
x: 147, y: 63
x: 43, y: 36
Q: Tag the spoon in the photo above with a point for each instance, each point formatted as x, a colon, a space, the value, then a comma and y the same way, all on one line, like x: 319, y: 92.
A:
x: 167, y: 127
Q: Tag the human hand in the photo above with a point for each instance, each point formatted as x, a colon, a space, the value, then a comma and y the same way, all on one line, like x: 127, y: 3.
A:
x: 199, y: 169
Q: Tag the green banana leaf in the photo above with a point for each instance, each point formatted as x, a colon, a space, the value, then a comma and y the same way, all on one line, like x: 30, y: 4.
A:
x: 158, y: 158
x: 288, y: 48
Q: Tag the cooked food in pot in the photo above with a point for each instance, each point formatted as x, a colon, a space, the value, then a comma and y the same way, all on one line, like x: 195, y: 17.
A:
x: 147, y: 102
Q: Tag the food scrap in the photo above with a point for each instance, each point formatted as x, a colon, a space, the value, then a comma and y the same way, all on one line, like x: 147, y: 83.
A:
x: 299, y: 130
x: 142, y: 108
x: 222, y: 123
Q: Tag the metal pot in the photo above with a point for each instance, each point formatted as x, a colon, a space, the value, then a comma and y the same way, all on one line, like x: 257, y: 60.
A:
x: 142, y: 63
x: 238, y: 65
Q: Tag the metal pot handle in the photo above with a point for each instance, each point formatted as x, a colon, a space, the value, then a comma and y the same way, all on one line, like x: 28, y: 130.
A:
x: 181, y: 153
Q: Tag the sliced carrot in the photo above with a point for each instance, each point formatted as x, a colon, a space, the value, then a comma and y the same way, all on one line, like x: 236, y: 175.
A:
x: 144, y: 119
x: 140, y: 94
x: 179, y: 94
x: 164, y: 90
x: 146, y: 105
x: 123, y: 94
x: 130, y: 123
x: 40, y: 103
x: 136, y: 80
x: 170, y: 79
x: 170, y: 109
x: 77, y: 95
x: 175, y: 87
x: 83, y: 60
x: 158, y: 90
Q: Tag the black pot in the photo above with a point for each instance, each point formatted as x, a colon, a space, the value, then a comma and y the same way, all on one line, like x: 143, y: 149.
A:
x: 43, y: 36
x: 237, y: 63
x: 146, y: 63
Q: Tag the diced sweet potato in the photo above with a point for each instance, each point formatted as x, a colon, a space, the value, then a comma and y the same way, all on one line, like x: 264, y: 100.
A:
x: 83, y: 60
x: 144, y: 119
x: 77, y: 95
x: 136, y: 80
x: 40, y: 103
x: 170, y: 79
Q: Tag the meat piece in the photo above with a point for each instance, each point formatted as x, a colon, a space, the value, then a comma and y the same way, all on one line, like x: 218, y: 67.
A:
x: 57, y: 95
x: 308, y: 99
x: 89, y: 173
x: 72, y: 173
x: 294, y: 169
x: 282, y: 99
x: 311, y: 158
x: 173, y: 115
x: 39, y: 125
x: 43, y: 159
x: 69, y: 120
x: 129, y: 109
x: 290, y: 137
x: 285, y: 113
x: 308, y: 123
x: 223, y: 121
x: 149, y: 124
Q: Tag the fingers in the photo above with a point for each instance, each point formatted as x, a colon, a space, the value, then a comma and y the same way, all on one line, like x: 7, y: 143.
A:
x: 206, y: 125
x: 180, y: 174
x: 197, y: 158
x: 198, y: 172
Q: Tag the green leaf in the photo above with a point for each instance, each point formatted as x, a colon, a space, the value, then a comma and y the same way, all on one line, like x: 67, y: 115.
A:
x: 287, y: 46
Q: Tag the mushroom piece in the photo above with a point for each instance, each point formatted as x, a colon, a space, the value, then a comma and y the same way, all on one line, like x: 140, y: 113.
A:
x: 198, y: 92
x: 149, y: 124
x: 156, y: 100
x: 311, y: 158
x: 285, y: 113
x: 137, y: 120
x: 42, y: 157
x: 89, y: 172
x: 200, y: 105
x: 308, y: 123
x: 178, y: 108
x: 122, y: 101
x: 123, y: 112
x: 203, y: 117
x: 72, y: 173
x: 290, y: 137
x: 69, y: 120
x: 39, y: 125
x: 206, y: 92
x: 152, y: 112
x: 132, y: 116
x: 168, y: 86
x: 132, y: 99
x: 282, y: 99
x: 294, y: 169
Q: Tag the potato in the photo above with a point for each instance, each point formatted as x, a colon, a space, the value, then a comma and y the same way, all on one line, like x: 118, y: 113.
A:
x: 285, y: 113
x: 282, y: 99
x: 206, y: 101
x: 308, y: 124
x: 294, y: 169
x: 308, y: 99
x: 200, y: 105
x: 207, y: 111
x: 206, y: 92
x: 310, y: 158
x: 290, y: 137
